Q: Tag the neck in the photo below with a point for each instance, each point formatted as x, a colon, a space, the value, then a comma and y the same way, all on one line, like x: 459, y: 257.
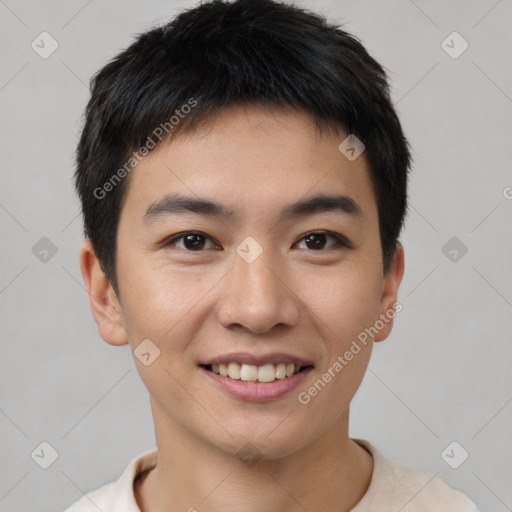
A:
x: 333, y: 473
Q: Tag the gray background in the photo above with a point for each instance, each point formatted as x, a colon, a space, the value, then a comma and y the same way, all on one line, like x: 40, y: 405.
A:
x: 444, y: 374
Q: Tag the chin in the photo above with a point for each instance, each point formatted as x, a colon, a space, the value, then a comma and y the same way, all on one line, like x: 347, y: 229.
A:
x: 255, y: 446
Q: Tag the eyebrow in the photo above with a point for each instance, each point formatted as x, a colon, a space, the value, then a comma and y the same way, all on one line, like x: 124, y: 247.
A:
x: 173, y: 204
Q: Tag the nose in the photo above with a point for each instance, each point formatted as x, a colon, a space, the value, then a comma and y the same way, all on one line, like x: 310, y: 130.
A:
x: 257, y: 296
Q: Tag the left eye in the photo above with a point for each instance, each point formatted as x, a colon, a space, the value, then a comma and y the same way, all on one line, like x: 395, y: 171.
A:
x: 317, y: 239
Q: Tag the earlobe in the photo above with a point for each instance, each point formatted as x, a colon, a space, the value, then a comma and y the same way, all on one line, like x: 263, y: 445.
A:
x: 104, y: 305
x: 388, y: 300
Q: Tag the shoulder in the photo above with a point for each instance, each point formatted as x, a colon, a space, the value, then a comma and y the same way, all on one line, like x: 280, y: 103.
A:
x: 117, y: 496
x: 100, y: 499
x: 423, y: 491
x: 396, y: 487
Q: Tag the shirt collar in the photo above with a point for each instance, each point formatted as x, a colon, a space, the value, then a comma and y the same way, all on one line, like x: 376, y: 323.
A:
x: 124, y: 496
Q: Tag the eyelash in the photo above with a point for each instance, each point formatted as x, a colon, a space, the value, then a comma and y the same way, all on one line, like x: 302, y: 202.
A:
x: 341, y: 241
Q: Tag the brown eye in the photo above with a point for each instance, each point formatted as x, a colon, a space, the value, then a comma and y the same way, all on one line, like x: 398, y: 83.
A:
x: 191, y: 241
x: 318, y: 240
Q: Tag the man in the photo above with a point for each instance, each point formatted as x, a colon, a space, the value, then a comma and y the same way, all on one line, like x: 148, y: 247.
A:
x: 243, y: 178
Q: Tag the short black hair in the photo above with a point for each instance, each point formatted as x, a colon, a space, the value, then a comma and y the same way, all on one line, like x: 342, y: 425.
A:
x: 220, y: 54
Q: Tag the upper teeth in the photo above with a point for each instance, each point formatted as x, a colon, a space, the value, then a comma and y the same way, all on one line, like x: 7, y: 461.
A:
x: 249, y: 372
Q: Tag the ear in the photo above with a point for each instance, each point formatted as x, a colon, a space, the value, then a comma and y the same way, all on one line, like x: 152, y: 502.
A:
x: 104, y: 304
x: 392, y: 281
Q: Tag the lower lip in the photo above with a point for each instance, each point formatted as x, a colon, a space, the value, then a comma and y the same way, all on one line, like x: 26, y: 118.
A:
x: 257, y: 391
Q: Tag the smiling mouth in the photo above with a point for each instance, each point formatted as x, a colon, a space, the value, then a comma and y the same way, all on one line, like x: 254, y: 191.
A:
x: 251, y: 373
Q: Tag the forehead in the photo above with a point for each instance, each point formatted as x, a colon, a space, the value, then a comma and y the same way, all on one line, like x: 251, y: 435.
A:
x: 251, y: 158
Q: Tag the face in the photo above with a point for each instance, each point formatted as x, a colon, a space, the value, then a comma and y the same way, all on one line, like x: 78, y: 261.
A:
x: 249, y: 278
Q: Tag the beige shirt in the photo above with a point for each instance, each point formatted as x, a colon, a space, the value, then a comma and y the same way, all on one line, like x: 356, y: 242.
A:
x: 392, y: 488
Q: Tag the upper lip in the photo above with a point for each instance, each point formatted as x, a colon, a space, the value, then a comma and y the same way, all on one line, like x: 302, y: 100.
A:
x: 258, y: 360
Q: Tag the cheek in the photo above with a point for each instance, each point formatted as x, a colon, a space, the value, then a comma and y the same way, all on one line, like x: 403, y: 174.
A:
x: 156, y: 306
x: 343, y: 303
x: 155, y: 301
x: 167, y: 305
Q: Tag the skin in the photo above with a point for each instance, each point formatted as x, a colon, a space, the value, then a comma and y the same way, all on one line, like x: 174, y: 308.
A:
x: 197, y: 304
